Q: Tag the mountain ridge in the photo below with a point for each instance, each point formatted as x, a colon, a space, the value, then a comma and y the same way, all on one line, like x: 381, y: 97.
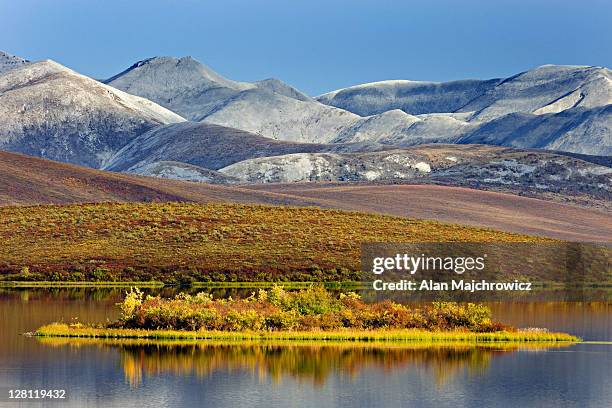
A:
x: 9, y: 61
x: 441, y: 112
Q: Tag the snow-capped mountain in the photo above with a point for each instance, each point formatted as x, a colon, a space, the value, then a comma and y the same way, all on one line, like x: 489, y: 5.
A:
x: 269, y: 108
x: 546, y: 89
x: 413, y: 97
x: 8, y: 62
x: 183, y: 85
x: 50, y: 111
x: 273, y: 109
x: 550, y: 107
x: 267, y: 131
x: 279, y: 87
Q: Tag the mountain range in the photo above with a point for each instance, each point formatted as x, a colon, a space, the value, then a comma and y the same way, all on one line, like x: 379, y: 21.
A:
x: 550, y: 107
x: 177, y: 118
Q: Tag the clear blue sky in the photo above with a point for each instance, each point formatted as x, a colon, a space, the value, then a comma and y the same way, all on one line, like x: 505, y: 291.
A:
x: 315, y: 45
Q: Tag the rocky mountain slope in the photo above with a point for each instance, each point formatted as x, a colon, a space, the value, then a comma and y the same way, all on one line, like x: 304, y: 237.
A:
x: 182, y: 171
x: 212, y: 146
x: 577, y: 130
x: 532, y: 172
x: 182, y: 85
x: 216, y: 154
x: 271, y: 108
x: 8, y: 62
x: 268, y: 132
x: 50, y: 111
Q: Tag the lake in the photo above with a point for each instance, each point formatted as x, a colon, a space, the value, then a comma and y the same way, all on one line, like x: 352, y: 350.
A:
x: 176, y: 374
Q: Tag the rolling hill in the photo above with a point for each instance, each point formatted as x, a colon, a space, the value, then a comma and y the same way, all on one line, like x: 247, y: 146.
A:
x: 459, y: 205
x: 173, y: 242
x: 32, y: 181
x: 26, y: 180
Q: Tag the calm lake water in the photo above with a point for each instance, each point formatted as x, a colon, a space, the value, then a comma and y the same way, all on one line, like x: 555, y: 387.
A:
x: 129, y: 374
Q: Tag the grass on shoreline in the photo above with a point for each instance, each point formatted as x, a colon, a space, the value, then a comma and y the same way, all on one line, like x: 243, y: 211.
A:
x: 79, y: 284
x: 405, y: 335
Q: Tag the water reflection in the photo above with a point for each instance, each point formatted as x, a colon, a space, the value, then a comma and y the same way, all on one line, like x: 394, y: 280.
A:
x: 301, y: 361
x: 136, y: 374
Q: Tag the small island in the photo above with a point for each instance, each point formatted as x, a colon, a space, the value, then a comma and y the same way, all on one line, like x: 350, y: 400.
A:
x: 314, y: 314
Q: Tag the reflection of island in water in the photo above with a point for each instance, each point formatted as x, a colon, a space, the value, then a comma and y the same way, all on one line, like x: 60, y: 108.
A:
x: 302, y: 361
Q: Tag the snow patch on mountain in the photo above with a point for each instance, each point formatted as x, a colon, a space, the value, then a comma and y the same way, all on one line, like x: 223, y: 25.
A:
x: 182, y: 85
x: 280, y: 117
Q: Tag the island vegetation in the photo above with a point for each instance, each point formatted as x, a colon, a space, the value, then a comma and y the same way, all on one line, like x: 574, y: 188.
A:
x: 311, y: 314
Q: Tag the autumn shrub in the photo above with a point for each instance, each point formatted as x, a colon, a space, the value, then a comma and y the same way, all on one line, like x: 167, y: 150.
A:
x: 314, y: 301
x: 446, y: 315
x: 314, y: 308
x: 282, y: 320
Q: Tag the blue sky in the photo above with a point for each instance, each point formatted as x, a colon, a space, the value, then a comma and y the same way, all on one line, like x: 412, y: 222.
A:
x: 315, y: 45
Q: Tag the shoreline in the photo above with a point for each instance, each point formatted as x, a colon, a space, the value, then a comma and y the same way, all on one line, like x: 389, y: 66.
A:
x: 59, y: 330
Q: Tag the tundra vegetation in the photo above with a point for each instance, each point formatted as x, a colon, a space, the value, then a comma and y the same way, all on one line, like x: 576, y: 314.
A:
x: 313, y: 313
x: 186, y: 242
